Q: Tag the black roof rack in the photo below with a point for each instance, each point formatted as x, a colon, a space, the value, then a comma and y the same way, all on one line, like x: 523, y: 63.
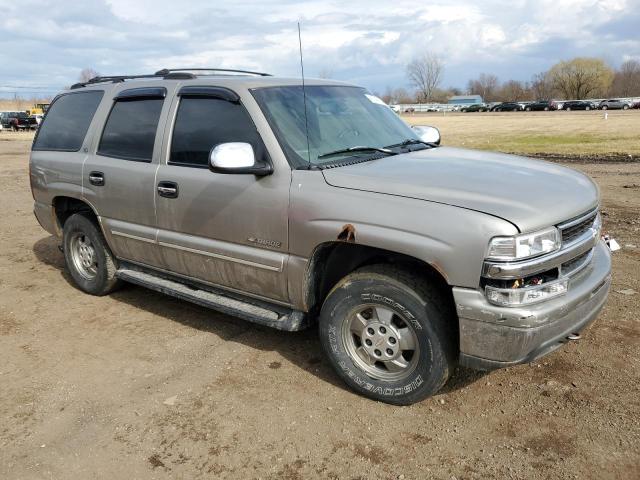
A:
x: 166, y: 73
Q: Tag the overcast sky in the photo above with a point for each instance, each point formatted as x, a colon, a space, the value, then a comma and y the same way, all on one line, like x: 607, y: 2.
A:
x: 45, y: 44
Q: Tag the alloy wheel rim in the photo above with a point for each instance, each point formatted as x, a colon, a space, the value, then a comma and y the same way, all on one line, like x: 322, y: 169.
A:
x: 381, y: 342
x: 83, y: 256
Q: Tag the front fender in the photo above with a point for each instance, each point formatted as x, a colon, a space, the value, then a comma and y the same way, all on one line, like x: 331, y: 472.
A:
x: 451, y: 239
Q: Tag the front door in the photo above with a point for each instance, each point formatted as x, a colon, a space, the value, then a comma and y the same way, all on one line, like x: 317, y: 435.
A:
x: 227, y: 230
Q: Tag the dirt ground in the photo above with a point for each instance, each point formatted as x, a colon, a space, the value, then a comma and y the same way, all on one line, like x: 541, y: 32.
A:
x: 137, y: 385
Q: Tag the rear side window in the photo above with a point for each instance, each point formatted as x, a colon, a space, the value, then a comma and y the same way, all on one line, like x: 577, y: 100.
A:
x: 67, y: 121
x: 204, y: 122
x: 130, y: 131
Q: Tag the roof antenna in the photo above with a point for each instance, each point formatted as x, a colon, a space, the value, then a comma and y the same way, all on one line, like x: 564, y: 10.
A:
x: 304, y: 96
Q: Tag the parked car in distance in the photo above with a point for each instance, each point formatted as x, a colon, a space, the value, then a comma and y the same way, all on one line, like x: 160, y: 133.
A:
x: 17, y: 121
x: 636, y: 105
x: 476, y: 107
x: 507, y: 107
x: 408, y: 257
x: 541, y: 105
x: 614, y: 104
x: 578, y: 105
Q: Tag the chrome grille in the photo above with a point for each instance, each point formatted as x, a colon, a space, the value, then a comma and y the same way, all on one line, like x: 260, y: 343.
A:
x: 575, y: 228
x: 576, y: 264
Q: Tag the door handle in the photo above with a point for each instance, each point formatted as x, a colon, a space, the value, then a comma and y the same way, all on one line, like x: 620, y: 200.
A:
x: 168, y: 189
x: 96, y: 178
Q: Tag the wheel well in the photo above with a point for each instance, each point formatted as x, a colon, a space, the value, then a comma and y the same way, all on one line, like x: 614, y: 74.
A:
x: 64, y: 207
x: 333, y: 261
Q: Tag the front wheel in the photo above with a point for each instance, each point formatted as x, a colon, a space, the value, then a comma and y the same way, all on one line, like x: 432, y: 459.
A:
x: 87, y: 256
x: 587, y: 108
x: 625, y: 107
x: 388, y: 335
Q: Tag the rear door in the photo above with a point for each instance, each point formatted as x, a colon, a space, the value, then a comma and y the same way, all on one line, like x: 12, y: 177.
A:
x: 229, y: 230
x: 119, y: 177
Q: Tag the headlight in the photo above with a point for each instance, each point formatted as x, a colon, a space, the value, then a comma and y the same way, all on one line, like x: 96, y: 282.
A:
x: 515, y: 297
x: 524, y: 246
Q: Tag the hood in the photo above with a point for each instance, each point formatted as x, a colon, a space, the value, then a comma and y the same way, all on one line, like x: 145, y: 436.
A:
x: 531, y: 194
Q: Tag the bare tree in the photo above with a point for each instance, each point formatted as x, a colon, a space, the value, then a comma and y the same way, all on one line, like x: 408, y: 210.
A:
x: 425, y: 73
x: 486, y: 85
x: 581, y: 78
x: 87, y: 74
x: 325, y: 72
x: 626, y: 80
x: 541, y: 86
x: 513, y: 91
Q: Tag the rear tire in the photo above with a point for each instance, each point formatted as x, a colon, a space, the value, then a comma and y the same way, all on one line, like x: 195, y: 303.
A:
x: 388, y: 334
x: 87, y: 256
x: 625, y: 107
x: 568, y: 109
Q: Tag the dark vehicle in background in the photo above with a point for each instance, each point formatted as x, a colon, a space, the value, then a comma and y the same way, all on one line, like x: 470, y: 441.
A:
x: 614, y: 104
x: 476, y: 107
x: 541, y: 105
x: 636, y: 105
x: 18, y: 121
x: 578, y: 105
x: 507, y: 107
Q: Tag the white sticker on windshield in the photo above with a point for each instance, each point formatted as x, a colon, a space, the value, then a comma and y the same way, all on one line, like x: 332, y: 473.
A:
x: 374, y: 99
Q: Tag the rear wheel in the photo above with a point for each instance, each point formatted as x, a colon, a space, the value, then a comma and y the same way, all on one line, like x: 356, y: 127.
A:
x: 388, y: 335
x: 546, y: 109
x: 568, y: 109
x: 604, y: 107
x: 528, y: 109
x: 587, y: 108
x: 87, y: 256
x: 625, y: 107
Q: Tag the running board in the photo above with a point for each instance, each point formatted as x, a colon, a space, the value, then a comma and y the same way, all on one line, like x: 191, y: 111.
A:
x: 274, y: 317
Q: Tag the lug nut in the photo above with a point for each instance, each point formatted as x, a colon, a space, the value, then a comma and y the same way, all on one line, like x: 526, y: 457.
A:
x: 389, y: 352
x: 392, y: 340
x: 377, y: 352
x: 370, y: 331
x: 383, y: 330
x: 368, y: 342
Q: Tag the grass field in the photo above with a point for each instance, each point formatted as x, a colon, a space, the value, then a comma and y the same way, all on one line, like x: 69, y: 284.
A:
x: 558, y: 133
x: 570, y: 134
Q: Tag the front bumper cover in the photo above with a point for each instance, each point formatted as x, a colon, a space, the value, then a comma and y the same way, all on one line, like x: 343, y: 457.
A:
x: 494, y: 337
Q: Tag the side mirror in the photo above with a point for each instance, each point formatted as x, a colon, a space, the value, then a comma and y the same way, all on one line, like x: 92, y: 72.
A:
x: 427, y: 134
x: 236, y: 157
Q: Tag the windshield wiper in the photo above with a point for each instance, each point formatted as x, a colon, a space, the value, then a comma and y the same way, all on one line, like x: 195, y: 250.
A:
x: 411, y: 141
x: 357, y: 149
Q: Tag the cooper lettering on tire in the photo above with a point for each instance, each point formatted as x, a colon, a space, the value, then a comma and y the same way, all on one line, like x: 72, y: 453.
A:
x: 387, y: 334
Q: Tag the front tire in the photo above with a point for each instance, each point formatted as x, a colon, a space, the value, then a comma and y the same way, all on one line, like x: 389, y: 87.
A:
x: 388, y: 335
x: 87, y: 256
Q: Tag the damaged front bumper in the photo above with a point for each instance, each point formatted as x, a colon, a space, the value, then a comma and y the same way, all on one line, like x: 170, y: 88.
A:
x: 494, y: 337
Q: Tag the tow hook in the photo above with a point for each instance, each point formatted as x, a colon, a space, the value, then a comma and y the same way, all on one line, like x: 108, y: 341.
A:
x: 574, y: 336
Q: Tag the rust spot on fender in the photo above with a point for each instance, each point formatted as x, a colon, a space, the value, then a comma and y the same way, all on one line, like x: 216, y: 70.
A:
x: 347, y: 233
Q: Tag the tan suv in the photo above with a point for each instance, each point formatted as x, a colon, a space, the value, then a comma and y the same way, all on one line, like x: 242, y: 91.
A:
x: 293, y: 206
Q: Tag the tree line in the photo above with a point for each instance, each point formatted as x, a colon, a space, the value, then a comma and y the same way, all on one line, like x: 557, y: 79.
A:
x: 575, y: 79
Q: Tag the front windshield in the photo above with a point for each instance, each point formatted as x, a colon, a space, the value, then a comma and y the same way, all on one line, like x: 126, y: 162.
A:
x: 338, y: 118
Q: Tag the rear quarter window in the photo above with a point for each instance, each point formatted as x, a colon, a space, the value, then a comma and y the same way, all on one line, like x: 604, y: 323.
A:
x: 67, y: 121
